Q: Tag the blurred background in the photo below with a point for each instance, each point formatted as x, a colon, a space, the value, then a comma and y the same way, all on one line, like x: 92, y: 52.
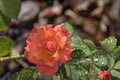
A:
x: 91, y: 19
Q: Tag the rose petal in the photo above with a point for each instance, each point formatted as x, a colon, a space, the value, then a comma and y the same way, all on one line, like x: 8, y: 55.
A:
x: 47, y: 70
x: 50, y: 45
x: 52, y: 60
x: 49, y: 32
x: 65, y: 53
x: 36, y: 36
x: 62, y: 35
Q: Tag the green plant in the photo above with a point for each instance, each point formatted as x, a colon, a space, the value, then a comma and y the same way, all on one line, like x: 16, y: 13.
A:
x: 88, y: 61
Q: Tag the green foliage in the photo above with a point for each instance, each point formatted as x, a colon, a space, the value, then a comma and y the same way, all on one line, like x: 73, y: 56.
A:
x: 26, y: 74
x: 69, y: 28
x: 78, y: 44
x: 44, y: 77
x: 89, y: 43
x: 115, y: 73
x: 77, y: 54
x: 77, y: 73
x: 109, y: 44
x: 93, y: 72
x: 5, y: 46
x: 100, y: 59
x: 83, y: 73
x: 111, y: 62
x: 29, y: 74
x: 10, y: 8
x: 75, y: 41
x: 85, y: 64
x: 14, y: 76
x: 85, y: 49
x: 117, y: 65
x: 72, y: 73
x: 116, y: 53
x: 4, y: 22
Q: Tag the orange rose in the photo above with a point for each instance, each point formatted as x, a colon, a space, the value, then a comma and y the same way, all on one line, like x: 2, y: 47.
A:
x: 46, y: 47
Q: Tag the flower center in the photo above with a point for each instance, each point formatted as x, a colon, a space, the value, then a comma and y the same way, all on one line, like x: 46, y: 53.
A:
x: 50, y: 45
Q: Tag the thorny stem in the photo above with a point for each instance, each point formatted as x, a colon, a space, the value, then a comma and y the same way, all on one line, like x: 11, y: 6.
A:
x: 11, y: 58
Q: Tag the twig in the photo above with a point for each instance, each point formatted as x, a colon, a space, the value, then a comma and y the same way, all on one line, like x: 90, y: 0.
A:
x: 11, y: 57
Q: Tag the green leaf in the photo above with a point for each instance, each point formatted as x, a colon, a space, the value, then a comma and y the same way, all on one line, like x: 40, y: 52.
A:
x: 74, y: 62
x: 74, y: 75
x: 116, y: 53
x: 79, y: 63
x: 111, y: 62
x: 115, y: 73
x: 76, y: 41
x: 44, y: 77
x: 83, y: 73
x: 5, y: 46
x: 85, y: 49
x: 89, y: 43
x: 93, y: 72
x: 94, y: 52
x: 47, y: 78
x: 85, y: 64
x: 68, y: 71
x: 10, y: 8
x: 109, y: 44
x: 35, y: 75
x: 26, y: 74
x: 4, y: 22
x: 77, y: 54
x: 14, y: 76
x: 117, y: 65
x: 69, y: 28
x: 100, y: 59
x: 78, y: 44
x: 77, y: 72
x: 55, y: 77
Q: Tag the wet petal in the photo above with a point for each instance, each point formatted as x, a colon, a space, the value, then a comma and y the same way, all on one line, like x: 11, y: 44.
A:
x: 47, y: 70
x: 65, y: 53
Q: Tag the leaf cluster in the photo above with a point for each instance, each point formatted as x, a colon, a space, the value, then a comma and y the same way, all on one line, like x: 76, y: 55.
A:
x: 88, y: 59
